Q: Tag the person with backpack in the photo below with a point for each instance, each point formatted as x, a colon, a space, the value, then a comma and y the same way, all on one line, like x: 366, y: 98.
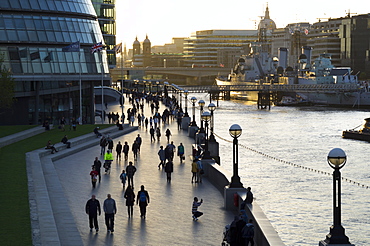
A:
x: 248, y: 233
x: 169, y: 169
x: 94, y: 177
x: 162, y: 157
x: 97, y: 167
x: 123, y: 178
x: 142, y: 200
x: 181, y: 152
x: 130, y: 172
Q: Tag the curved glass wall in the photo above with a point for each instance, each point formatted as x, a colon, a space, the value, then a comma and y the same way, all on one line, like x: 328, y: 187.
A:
x: 48, y: 81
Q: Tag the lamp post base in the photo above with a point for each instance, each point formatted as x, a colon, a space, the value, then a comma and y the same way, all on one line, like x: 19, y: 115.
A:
x: 336, y: 237
x: 235, y: 182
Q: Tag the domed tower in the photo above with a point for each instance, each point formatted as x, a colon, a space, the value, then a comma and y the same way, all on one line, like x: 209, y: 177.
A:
x: 147, y: 52
x: 265, y: 28
x: 136, y: 47
x: 266, y: 22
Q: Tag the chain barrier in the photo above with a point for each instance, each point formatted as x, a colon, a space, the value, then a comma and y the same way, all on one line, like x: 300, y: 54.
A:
x: 293, y: 164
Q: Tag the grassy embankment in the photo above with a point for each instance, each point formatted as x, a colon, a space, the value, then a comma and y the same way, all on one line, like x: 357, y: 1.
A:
x: 14, y: 207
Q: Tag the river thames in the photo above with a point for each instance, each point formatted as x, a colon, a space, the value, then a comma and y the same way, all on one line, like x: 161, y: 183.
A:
x: 283, y: 157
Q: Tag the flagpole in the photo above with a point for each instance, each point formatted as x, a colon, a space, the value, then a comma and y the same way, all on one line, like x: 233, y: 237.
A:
x: 102, y: 90
x: 121, y: 77
x: 79, y: 58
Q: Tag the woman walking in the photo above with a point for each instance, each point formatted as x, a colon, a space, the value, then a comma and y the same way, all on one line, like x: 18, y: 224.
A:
x: 130, y: 200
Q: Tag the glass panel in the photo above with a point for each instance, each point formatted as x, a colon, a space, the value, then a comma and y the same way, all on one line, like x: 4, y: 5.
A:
x: 3, y: 36
x: 34, y: 5
x: 61, y: 56
x: 50, y: 36
x: 55, y: 67
x: 12, y: 35
x: 66, y: 37
x: 4, y: 4
x: 66, y: 6
x: 73, y: 36
x: 46, y: 67
x: 42, y: 36
x: 16, y: 67
x: 51, y: 5
x: 39, y: 25
x: 19, y: 23
x: 56, y: 25
x: 63, y: 24
x: 59, y: 6
x: 59, y: 36
x: 48, y: 25
x: 13, y: 54
x: 63, y: 67
x: 33, y: 36
x: 71, y: 68
x: 9, y: 23
x: 29, y: 24
x: 25, y: 4
x: 43, y: 5
x: 2, y: 24
x: 23, y: 35
x: 36, y: 66
x: 15, y: 4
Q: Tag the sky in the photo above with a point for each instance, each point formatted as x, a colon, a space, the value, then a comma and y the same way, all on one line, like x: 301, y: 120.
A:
x: 162, y: 20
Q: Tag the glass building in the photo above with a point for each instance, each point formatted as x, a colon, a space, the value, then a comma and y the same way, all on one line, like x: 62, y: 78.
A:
x: 51, y: 83
x: 106, y: 12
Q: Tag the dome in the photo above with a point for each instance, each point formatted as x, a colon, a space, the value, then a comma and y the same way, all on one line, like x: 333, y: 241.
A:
x: 136, y: 41
x: 146, y: 39
x: 266, y: 22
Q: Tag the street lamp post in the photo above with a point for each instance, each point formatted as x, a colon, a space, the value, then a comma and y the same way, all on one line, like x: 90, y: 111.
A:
x: 186, y: 93
x: 180, y: 97
x: 336, y: 159
x: 206, y: 116
x: 235, y: 131
x: 201, y: 104
x: 212, y: 107
x: 193, y: 100
x: 157, y: 82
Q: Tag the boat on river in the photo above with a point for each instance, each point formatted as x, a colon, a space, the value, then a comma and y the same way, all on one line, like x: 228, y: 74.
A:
x: 362, y: 134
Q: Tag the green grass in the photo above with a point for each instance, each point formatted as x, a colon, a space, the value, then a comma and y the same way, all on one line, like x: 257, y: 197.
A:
x: 14, y: 207
x: 8, y: 130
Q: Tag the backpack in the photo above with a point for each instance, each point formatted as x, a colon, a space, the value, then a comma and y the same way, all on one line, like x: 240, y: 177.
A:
x: 142, y: 197
x: 248, y: 231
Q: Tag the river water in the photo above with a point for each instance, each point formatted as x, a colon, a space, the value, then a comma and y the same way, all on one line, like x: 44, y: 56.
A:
x: 282, y: 156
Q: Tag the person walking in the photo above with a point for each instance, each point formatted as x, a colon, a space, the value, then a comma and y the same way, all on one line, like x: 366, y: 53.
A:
x: 130, y: 172
x: 103, y: 144
x: 248, y: 233
x: 194, y: 171
x: 158, y: 132
x: 108, y: 158
x: 200, y: 171
x: 97, y: 167
x: 125, y: 150
x: 92, y: 208
x: 110, y: 210
x: 168, y: 135
x: 181, y: 152
x: 94, y: 177
x: 143, y: 201
x: 135, y: 149
x: 118, y: 150
x: 249, y: 198
x: 152, y: 134
x: 162, y: 157
x: 170, y: 149
x: 123, y: 177
x: 130, y: 200
x: 194, y: 210
x: 169, y: 169
x: 110, y: 144
x: 138, y: 141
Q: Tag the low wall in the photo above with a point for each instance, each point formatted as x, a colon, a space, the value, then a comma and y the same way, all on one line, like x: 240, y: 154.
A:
x: 265, y: 234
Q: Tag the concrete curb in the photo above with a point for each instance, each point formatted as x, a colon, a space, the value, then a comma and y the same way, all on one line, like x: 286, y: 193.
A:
x: 4, y: 141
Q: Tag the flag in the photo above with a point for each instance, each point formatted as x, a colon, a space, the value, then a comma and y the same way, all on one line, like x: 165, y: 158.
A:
x: 96, y: 47
x: 118, y: 48
x: 49, y: 57
x: 73, y: 47
x: 35, y: 55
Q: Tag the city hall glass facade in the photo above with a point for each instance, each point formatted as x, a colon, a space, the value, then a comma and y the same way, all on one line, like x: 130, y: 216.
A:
x: 47, y: 80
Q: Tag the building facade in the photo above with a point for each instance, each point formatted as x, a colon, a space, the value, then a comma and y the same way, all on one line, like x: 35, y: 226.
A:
x: 47, y: 47
x: 106, y: 12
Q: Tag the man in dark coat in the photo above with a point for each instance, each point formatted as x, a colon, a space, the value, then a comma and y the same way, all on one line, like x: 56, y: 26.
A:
x: 92, y: 208
x: 143, y: 201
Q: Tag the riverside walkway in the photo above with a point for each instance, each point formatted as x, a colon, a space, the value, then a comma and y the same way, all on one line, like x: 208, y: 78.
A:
x: 169, y: 219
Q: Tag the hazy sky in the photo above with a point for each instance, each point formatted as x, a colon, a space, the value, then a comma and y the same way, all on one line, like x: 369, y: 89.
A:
x: 164, y: 19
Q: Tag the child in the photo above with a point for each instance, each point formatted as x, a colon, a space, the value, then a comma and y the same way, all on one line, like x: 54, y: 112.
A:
x: 123, y: 178
x: 194, y: 210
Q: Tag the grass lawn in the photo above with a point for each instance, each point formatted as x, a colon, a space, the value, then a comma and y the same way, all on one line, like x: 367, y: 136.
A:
x: 8, y: 130
x: 14, y: 207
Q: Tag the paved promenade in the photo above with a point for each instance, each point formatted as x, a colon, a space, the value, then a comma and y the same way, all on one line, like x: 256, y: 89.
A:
x: 169, y: 219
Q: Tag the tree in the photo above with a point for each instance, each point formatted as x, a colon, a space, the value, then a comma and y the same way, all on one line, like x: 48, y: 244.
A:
x: 6, y: 86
